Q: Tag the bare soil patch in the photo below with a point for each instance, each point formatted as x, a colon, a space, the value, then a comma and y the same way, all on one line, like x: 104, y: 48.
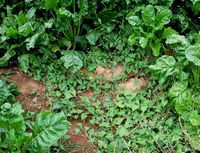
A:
x: 31, y: 92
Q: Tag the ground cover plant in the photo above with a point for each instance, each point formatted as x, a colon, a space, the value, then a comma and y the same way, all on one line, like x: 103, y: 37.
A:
x: 122, y: 75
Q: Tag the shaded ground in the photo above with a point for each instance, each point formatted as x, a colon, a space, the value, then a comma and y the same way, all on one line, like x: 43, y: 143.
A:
x: 32, y: 99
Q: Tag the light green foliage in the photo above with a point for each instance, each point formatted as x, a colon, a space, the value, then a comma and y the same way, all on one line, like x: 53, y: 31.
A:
x: 47, y: 129
x: 147, y: 27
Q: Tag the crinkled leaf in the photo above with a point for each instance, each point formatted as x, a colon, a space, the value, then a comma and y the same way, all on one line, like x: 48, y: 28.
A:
x: 164, y: 67
x: 71, y: 59
x: 92, y: 36
x: 148, y: 15
x: 63, y: 12
x: 48, y: 128
x: 163, y: 17
x: 12, y: 33
x: 179, y: 91
x: 11, y: 117
x: 192, y: 53
x: 122, y: 131
x: 132, y: 40
x: 24, y: 62
x: 31, y: 42
x: 168, y: 32
x: 31, y: 13
x: 177, y: 39
x: 26, y: 29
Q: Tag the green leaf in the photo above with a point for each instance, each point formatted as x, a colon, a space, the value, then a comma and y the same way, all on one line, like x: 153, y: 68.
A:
x: 132, y: 40
x: 143, y: 42
x: 155, y: 46
x: 148, y: 15
x: 63, y: 12
x: 5, y: 59
x: 31, y: 13
x: 163, y: 17
x: 71, y: 59
x: 50, y: 4
x: 24, y: 62
x: 92, y: 36
x: 164, y: 67
x: 32, y: 41
x: 122, y: 131
x: 192, y: 53
x: 26, y: 29
x: 133, y: 19
x: 48, y: 128
x: 177, y: 39
x: 179, y: 91
x: 168, y: 32
x: 195, y: 118
x: 11, y: 117
x: 12, y: 33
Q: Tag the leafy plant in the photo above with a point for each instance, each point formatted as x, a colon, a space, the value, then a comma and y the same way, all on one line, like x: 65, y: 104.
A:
x: 148, y: 27
x: 16, y: 137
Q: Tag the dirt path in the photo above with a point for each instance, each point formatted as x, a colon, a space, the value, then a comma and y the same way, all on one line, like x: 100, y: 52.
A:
x: 32, y: 97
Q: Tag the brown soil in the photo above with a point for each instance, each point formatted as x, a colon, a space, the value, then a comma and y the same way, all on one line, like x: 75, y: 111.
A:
x: 78, y: 142
x: 31, y: 92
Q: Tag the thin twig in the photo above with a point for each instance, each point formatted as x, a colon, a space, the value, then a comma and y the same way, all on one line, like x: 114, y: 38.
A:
x: 127, y: 147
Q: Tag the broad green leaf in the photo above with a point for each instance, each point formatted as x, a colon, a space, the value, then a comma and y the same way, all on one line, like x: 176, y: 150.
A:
x: 148, y: 15
x: 12, y: 33
x: 48, y: 128
x: 11, y: 117
x: 31, y: 13
x: 50, y: 4
x: 195, y: 118
x: 192, y: 53
x: 143, y: 42
x: 132, y: 40
x: 5, y: 59
x: 164, y: 67
x: 133, y: 19
x: 21, y: 19
x: 26, y: 29
x: 71, y: 59
x: 179, y: 91
x: 168, y: 32
x: 177, y: 39
x: 163, y: 17
x: 155, y: 46
x: 92, y: 36
x: 32, y: 41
